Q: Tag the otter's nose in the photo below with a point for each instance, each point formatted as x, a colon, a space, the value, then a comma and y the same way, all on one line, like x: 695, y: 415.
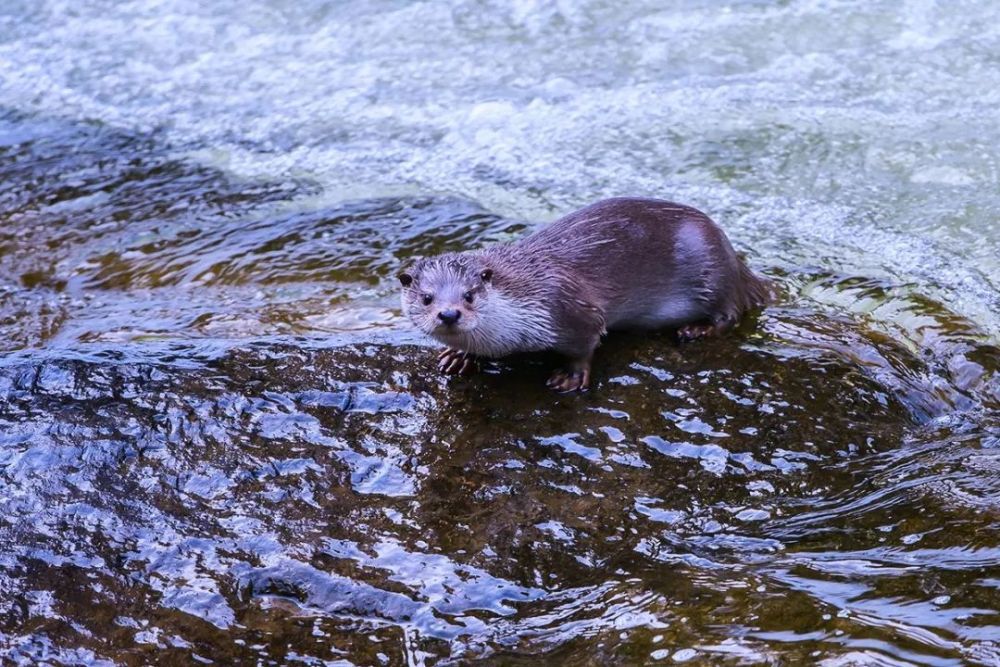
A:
x: 449, y: 316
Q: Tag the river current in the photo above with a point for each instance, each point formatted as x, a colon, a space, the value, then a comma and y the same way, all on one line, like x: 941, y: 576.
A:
x: 221, y: 442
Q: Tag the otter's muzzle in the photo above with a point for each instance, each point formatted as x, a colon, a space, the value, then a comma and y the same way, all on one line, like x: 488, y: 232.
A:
x: 449, y: 316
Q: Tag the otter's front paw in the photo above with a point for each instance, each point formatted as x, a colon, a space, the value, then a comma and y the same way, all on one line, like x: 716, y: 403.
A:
x: 456, y: 362
x: 565, y: 381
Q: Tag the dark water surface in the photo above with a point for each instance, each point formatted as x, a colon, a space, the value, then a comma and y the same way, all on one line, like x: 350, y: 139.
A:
x: 820, y: 487
x: 221, y: 443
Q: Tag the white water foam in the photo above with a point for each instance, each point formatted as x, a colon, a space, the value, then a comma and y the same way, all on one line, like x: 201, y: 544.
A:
x: 853, y: 136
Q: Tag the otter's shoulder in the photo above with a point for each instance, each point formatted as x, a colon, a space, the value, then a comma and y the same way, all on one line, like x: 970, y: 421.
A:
x: 638, y: 207
x: 618, y: 218
x: 624, y: 210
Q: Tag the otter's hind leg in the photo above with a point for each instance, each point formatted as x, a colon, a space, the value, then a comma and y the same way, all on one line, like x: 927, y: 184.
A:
x: 457, y: 362
x: 575, y: 375
x: 696, y: 330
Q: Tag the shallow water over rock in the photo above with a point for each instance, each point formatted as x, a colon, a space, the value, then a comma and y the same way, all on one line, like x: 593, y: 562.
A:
x: 759, y: 496
x: 821, y: 483
x: 219, y: 440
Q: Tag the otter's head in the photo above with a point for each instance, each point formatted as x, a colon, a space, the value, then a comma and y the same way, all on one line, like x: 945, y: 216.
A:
x: 448, y: 297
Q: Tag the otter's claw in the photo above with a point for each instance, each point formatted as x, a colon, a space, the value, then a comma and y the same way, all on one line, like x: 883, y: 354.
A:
x: 457, y: 362
x: 692, y: 332
x: 566, y: 381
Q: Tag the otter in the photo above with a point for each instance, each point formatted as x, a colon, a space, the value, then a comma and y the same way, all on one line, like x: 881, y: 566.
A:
x: 623, y: 263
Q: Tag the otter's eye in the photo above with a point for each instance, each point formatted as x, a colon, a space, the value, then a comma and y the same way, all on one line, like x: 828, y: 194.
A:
x: 468, y: 297
x: 427, y: 298
x: 486, y: 275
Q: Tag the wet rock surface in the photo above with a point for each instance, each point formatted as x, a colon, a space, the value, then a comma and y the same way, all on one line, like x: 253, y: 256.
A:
x: 219, y: 441
x: 343, y: 501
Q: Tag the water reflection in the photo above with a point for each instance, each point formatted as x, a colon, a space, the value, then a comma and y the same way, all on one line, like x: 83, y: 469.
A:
x: 194, y: 466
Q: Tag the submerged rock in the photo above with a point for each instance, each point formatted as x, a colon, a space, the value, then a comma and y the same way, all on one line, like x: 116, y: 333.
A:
x: 342, y: 499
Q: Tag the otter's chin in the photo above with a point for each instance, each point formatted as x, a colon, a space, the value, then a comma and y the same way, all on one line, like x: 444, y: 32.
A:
x: 452, y: 336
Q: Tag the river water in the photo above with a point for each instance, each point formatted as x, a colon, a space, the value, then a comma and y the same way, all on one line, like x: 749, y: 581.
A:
x: 220, y: 441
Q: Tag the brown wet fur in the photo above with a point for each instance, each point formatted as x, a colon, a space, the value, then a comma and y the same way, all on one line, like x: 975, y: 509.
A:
x: 618, y: 264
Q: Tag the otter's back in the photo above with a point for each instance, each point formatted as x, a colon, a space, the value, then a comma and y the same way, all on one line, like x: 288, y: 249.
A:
x: 650, y: 263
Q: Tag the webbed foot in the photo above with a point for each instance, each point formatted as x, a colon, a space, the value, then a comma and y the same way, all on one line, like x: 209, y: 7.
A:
x: 457, y: 362
x: 565, y: 381
x: 693, y: 332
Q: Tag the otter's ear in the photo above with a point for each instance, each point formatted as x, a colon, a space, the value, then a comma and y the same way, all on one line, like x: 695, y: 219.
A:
x: 405, y: 278
x: 486, y: 275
